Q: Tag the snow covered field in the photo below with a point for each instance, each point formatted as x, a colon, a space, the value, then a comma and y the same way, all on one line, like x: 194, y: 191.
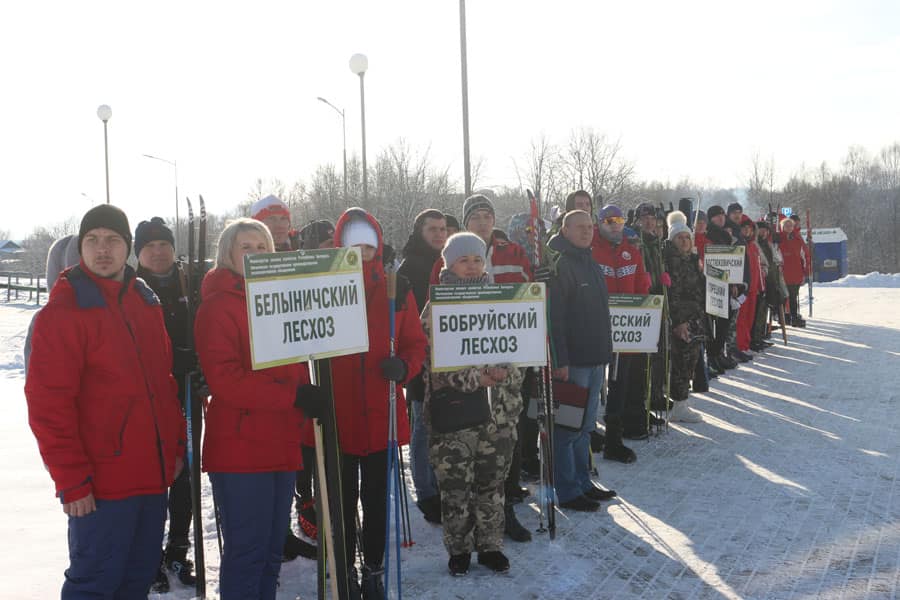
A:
x: 787, y: 490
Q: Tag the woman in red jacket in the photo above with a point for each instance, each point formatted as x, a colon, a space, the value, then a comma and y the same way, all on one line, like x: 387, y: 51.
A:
x: 361, y: 384
x: 251, y: 447
x: 796, y: 267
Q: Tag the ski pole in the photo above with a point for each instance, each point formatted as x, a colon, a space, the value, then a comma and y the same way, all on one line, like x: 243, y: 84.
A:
x: 407, y: 528
x: 393, y: 451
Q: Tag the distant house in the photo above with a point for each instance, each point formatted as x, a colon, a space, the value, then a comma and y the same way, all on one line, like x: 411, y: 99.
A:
x: 10, y: 247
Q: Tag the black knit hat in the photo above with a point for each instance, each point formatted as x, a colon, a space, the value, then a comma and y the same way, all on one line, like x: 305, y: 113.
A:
x: 315, y: 233
x: 714, y: 211
x: 452, y: 221
x: 734, y: 206
x: 108, y: 216
x: 151, y: 231
x: 643, y: 209
x: 473, y: 203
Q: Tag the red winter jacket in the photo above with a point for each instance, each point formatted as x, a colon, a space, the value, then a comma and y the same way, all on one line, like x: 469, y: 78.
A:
x: 700, y: 243
x: 622, y: 265
x: 101, y: 398
x: 756, y: 278
x: 507, y: 262
x: 251, y: 423
x: 796, y: 257
x: 360, y: 391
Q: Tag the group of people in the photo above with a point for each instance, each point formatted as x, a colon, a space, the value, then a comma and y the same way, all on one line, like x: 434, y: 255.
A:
x: 110, y: 350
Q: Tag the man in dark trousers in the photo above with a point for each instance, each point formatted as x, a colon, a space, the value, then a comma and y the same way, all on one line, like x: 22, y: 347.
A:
x: 581, y: 348
x: 422, y: 250
x: 104, y: 408
x: 154, y: 247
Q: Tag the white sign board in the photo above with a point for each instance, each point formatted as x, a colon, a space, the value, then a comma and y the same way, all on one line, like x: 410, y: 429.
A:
x: 488, y: 324
x: 305, y: 304
x: 635, y: 322
x: 717, y: 299
x: 726, y: 258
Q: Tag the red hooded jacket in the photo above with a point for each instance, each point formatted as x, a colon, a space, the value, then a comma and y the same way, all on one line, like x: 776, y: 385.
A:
x: 507, y: 262
x: 622, y: 265
x: 796, y: 257
x: 360, y: 390
x: 101, y: 398
x: 251, y: 423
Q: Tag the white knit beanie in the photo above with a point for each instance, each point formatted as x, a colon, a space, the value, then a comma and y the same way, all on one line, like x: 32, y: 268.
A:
x: 358, y: 231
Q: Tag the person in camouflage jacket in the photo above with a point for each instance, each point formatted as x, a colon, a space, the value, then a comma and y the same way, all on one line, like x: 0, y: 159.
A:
x: 471, y: 464
x: 687, y: 306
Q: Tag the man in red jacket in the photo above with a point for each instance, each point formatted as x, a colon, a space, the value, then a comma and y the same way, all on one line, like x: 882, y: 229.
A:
x: 104, y: 408
x: 623, y: 266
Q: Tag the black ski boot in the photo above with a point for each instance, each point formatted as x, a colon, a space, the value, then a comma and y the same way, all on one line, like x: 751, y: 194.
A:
x: 161, y: 583
x: 178, y: 565
x: 513, y: 528
x: 372, y: 583
x: 494, y: 560
x: 615, y: 449
x: 459, y: 564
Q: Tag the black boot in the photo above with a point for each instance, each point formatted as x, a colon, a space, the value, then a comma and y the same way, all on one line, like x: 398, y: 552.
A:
x: 615, y: 449
x: 459, y: 564
x: 431, y: 508
x: 178, y: 564
x: 513, y: 528
x: 161, y: 583
x: 294, y: 547
x: 494, y: 560
x: 372, y: 583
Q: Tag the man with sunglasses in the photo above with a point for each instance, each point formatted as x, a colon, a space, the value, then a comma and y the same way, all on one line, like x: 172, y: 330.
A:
x: 623, y: 267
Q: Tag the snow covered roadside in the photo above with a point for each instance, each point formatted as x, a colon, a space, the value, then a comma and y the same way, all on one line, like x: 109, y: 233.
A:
x: 787, y: 490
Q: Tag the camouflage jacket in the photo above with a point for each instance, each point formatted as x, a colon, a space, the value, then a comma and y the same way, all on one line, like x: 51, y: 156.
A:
x: 687, y: 296
x: 506, y: 397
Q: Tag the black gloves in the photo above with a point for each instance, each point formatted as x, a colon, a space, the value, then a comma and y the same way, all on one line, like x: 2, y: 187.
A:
x: 312, y: 399
x: 542, y: 274
x: 393, y: 369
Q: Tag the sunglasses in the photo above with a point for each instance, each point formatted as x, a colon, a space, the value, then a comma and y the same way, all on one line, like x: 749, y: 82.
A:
x: 614, y: 220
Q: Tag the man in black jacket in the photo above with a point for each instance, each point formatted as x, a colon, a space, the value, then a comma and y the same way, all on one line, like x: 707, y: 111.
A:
x: 154, y: 247
x: 582, y: 347
x: 717, y: 234
x: 420, y: 253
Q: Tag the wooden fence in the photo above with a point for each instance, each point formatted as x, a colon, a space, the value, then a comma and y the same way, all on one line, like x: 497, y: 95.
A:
x: 15, y: 284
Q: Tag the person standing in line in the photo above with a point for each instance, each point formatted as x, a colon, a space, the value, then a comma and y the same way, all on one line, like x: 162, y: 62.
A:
x: 154, y: 247
x: 104, y: 409
x: 422, y: 250
x: 581, y: 343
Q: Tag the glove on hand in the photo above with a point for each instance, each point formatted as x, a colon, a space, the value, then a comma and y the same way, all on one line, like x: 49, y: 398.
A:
x: 393, y: 369
x: 542, y: 274
x: 311, y: 399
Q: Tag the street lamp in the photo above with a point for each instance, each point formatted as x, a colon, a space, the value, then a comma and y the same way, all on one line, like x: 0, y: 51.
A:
x: 358, y: 65
x: 105, y: 114
x: 174, y: 164
x: 465, y: 97
x: 340, y: 111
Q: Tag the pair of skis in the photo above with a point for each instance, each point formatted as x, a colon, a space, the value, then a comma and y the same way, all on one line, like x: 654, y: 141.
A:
x: 193, y: 403
x: 547, y: 496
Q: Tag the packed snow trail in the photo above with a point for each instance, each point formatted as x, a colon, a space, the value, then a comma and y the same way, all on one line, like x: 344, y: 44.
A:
x: 787, y: 490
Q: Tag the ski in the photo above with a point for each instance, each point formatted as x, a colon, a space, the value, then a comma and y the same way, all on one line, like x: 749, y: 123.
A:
x: 809, y: 246
x: 329, y: 501
x: 547, y: 496
x: 193, y: 414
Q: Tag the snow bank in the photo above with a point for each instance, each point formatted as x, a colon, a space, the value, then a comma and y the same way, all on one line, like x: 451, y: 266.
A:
x: 869, y: 280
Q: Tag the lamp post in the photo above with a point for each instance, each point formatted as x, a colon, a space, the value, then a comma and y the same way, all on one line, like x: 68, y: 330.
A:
x: 358, y: 65
x: 174, y: 164
x: 465, y: 97
x: 340, y: 111
x: 105, y: 114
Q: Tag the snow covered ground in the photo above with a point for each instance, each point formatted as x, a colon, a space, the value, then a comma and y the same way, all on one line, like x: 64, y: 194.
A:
x: 787, y: 490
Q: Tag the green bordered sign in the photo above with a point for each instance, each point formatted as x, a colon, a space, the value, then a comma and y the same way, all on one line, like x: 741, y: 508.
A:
x: 488, y: 324
x: 309, y: 303
x: 635, y: 322
x: 716, y: 292
x: 727, y: 258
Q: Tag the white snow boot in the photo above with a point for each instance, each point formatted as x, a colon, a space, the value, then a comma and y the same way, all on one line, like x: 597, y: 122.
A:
x: 683, y: 413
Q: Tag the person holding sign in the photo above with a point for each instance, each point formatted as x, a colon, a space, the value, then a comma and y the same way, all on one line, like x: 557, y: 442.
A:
x: 361, y: 387
x: 687, y: 302
x: 623, y: 267
x: 471, y: 438
x: 581, y: 344
x: 717, y: 357
x: 251, y: 447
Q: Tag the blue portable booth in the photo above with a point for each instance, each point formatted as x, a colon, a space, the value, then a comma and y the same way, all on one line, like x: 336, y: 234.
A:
x: 829, y: 254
